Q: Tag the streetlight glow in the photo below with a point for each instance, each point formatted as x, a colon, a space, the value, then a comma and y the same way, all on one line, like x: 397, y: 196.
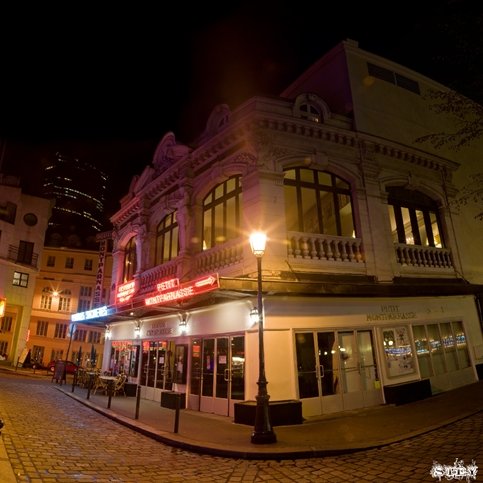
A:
x: 258, y: 241
x: 262, y: 431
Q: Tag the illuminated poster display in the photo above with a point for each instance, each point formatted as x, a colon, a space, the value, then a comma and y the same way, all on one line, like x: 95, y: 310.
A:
x: 398, y: 351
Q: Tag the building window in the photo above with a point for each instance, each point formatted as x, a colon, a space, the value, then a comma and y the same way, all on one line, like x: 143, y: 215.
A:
x: 64, y: 301
x: 25, y: 252
x: 318, y: 202
x: 46, y: 299
x: 88, y: 264
x: 37, y: 353
x: 8, y: 212
x: 393, y: 78
x: 42, y: 327
x: 84, y: 305
x: 441, y: 348
x: 94, y: 337
x: 221, y: 213
x: 85, y: 297
x: 80, y: 335
x: 51, y: 261
x: 6, y: 325
x: 20, y: 279
x: 130, y: 260
x: 310, y: 112
x: 414, y: 218
x: 3, y: 348
x: 69, y: 262
x: 60, y: 332
x: 167, y: 240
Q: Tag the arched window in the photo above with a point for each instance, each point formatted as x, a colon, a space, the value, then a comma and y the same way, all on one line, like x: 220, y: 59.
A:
x: 130, y: 260
x: 46, y: 300
x: 310, y: 112
x: 414, y: 218
x: 221, y: 213
x: 167, y: 242
x: 64, y: 300
x: 318, y: 202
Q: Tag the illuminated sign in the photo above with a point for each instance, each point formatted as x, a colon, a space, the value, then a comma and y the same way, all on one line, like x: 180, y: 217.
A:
x: 167, y: 284
x: 90, y: 314
x: 185, y: 290
x: 126, y: 291
x: 100, y: 273
x: 3, y: 304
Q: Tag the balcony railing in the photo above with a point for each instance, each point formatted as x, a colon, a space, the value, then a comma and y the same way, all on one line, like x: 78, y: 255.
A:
x: 220, y: 256
x: 149, y: 278
x: 324, y: 247
x: 420, y: 256
x: 22, y: 257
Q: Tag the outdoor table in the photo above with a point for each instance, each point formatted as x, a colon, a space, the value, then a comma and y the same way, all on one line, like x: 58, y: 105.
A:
x: 110, y: 380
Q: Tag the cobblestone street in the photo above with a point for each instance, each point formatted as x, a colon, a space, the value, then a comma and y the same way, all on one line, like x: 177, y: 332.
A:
x: 52, y: 438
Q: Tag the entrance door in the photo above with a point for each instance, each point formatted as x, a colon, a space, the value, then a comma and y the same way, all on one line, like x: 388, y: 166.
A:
x: 336, y: 371
x: 218, y: 380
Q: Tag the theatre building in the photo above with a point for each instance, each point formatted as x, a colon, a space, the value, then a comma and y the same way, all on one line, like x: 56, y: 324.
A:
x: 372, y: 276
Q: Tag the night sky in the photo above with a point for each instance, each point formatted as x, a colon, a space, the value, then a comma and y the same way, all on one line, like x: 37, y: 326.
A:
x: 105, y: 83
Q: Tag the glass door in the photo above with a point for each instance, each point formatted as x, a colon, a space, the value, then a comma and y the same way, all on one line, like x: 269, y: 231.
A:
x: 218, y: 376
x: 336, y: 371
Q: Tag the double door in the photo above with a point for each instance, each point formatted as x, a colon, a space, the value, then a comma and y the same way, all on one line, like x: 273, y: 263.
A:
x: 217, y: 377
x: 336, y: 371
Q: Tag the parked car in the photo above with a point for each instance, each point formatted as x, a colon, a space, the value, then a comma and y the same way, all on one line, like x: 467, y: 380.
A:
x: 71, y: 367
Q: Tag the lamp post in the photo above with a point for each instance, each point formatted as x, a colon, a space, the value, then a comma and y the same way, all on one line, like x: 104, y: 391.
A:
x: 262, y: 432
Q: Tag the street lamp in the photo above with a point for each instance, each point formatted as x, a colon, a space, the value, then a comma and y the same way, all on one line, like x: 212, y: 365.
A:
x: 262, y: 432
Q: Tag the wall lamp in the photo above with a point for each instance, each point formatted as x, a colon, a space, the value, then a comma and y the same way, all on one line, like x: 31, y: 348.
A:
x: 183, y: 321
x: 254, y: 316
x: 137, y: 330
x: 107, y: 333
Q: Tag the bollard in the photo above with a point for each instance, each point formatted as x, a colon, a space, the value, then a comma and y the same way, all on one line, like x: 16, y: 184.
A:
x: 138, y: 400
x: 89, y: 385
x: 74, y: 381
x: 176, y: 414
x: 110, y: 385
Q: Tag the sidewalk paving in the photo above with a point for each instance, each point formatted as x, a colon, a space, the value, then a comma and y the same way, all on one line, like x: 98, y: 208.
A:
x: 333, y: 434
x: 320, y: 436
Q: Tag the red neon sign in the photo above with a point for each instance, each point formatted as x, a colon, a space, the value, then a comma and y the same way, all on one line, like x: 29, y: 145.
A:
x: 126, y: 291
x: 185, y: 290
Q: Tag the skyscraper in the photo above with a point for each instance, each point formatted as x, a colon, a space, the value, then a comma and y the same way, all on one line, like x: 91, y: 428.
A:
x: 79, y: 191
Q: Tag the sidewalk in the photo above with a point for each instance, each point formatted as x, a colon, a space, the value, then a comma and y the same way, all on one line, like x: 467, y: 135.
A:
x: 321, y: 436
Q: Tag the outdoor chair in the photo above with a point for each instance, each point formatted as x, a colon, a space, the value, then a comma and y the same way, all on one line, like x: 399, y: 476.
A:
x: 119, y: 385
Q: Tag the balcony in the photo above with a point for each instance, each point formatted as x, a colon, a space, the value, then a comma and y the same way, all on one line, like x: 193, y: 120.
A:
x: 415, y: 257
x: 22, y: 257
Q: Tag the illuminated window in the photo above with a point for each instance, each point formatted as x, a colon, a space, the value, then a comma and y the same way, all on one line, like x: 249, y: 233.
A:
x: 167, y: 242
x: 20, y: 279
x: 130, y: 260
x: 317, y: 202
x: 221, y: 213
x: 414, y: 218
x: 46, y: 299
x: 64, y: 301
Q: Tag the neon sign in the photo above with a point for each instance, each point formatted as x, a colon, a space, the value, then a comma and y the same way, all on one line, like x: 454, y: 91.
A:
x: 90, y: 314
x: 185, y: 290
x: 126, y: 291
